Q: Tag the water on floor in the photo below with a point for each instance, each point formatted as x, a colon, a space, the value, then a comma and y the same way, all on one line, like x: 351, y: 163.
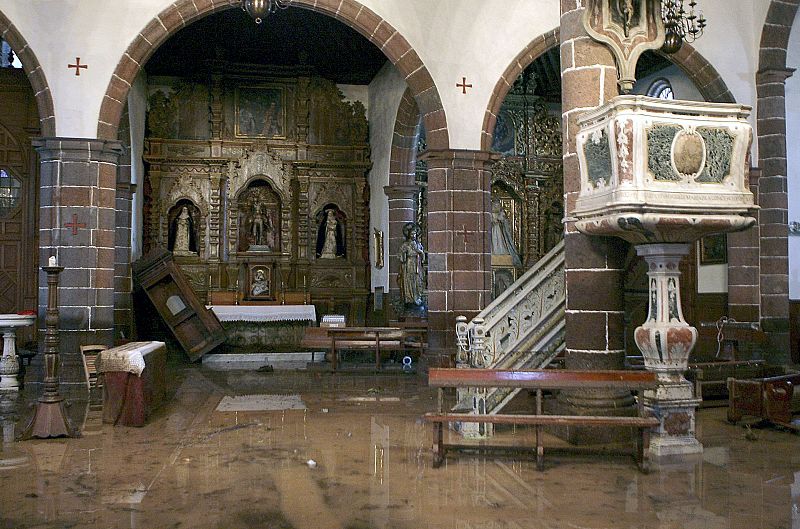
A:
x: 357, y: 456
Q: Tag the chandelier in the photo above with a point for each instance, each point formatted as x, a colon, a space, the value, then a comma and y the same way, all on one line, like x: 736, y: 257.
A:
x: 259, y: 9
x: 680, y: 25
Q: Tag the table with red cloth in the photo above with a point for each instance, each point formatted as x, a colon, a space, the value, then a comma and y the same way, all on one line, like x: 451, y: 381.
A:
x: 134, y: 381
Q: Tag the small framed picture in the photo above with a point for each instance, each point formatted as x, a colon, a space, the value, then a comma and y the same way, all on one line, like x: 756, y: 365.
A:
x: 260, y: 286
x: 714, y: 249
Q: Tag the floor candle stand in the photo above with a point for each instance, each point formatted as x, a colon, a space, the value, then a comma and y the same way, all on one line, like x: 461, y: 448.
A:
x: 49, y: 417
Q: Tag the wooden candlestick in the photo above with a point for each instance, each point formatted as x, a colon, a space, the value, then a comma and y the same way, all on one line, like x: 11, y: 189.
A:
x: 49, y: 417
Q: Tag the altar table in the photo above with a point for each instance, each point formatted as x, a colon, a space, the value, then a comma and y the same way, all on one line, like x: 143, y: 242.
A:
x: 134, y: 381
x: 263, y: 313
x: 259, y: 328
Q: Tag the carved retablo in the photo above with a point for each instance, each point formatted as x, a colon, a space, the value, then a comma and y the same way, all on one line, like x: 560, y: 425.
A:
x: 256, y: 181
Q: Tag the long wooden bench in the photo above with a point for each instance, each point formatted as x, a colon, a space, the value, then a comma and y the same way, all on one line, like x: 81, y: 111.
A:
x: 377, y: 339
x: 542, y: 380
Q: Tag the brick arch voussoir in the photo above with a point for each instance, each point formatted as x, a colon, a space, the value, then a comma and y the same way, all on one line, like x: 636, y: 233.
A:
x: 775, y: 34
x: 402, y: 167
x: 362, y: 19
x: 35, y: 74
x: 702, y: 73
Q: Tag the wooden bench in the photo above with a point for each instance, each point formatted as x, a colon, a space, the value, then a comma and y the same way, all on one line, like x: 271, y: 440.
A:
x: 377, y: 339
x: 710, y: 378
x: 772, y: 399
x: 541, y: 380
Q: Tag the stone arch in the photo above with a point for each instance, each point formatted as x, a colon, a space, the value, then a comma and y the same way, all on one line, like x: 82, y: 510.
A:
x: 402, y: 176
x: 694, y: 65
x: 772, y: 184
x: 35, y: 73
x: 350, y: 12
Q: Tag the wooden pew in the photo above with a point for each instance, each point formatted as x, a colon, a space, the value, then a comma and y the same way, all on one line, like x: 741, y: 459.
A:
x: 540, y: 380
x: 772, y: 399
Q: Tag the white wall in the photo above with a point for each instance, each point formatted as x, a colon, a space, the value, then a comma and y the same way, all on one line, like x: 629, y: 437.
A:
x: 793, y: 157
x: 385, y: 93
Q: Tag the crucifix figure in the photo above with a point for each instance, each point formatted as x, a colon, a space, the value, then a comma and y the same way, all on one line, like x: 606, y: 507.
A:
x: 463, y: 86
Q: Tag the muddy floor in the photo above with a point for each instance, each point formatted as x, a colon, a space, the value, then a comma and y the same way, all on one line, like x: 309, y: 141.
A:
x: 353, y: 454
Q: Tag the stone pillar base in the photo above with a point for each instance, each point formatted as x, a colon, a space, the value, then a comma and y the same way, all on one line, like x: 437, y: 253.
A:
x: 674, y: 404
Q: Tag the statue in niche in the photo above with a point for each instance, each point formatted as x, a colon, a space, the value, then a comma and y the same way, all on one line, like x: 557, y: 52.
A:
x: 259, y: 227
x: 262, y: 230
x: 412, y: 256
x: 182, y: 235
x: 502, y: 240
x: 330, y: 234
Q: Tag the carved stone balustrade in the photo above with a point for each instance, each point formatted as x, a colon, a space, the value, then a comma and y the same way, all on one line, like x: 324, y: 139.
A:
x: 662, y: 174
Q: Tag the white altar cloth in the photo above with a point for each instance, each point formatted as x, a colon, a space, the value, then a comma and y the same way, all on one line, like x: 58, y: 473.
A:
x: 128, y: 357
x: 264, y: 313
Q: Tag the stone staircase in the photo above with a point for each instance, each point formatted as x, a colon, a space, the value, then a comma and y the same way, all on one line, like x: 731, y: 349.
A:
x: 522, y: 329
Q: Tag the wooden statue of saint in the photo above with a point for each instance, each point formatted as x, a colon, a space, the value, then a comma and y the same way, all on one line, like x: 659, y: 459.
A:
x: 330, y: 234
x: 182, y: 236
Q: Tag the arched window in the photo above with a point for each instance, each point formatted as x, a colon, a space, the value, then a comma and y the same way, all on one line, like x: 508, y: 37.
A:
x: 661, y: 89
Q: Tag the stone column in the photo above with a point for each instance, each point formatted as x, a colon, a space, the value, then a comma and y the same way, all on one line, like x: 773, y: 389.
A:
x: 459, y: 241
x: 401, y: 211
x: 123, y: 283
x: 743, y: 268
x: 594, y: 265
x: 76, y: 224
x: 773, y: 218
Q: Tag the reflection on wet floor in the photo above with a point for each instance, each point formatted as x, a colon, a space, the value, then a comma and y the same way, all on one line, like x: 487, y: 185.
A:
x: 358, y: 457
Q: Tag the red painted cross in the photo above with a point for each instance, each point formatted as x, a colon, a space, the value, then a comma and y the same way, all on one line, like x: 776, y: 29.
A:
x: 78, y: 66
x: 75, y: 225
x: 463, y: 86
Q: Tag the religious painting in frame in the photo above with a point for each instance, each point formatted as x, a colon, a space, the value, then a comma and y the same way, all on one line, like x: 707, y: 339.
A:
x: 259, y: 285
x: 260, y: 112
x: 502, y: 278
x: 714, y: 249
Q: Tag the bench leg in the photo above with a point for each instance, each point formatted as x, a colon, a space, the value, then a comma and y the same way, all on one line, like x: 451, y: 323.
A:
x: 438, y: 445
x: 539, y: 449
x: 643, y: 450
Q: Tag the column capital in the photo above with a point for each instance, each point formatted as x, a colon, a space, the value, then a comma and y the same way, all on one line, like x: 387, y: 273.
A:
x: 774, y: 75
x: 459, y: 158
x: 401, y: 191
x: 78, y: 149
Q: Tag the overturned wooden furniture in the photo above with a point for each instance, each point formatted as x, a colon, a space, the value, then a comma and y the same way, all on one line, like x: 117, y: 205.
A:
x: 710, y: 378
x: 773, y: 399
x: 134, y: 381
x: 194, y: 326
x: 542, y: 380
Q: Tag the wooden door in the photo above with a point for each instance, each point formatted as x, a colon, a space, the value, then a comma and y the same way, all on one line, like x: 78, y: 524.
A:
x: 14, y: 235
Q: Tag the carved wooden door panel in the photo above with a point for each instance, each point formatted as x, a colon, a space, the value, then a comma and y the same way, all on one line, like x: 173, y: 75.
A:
x: 13, y: 232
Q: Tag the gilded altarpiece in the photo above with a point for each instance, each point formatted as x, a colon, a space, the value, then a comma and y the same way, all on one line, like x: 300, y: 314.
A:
x: 271, y: 164
x: 527, y: 187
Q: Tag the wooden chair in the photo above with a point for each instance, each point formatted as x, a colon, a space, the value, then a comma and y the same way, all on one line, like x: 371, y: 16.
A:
x: 89, y: 354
